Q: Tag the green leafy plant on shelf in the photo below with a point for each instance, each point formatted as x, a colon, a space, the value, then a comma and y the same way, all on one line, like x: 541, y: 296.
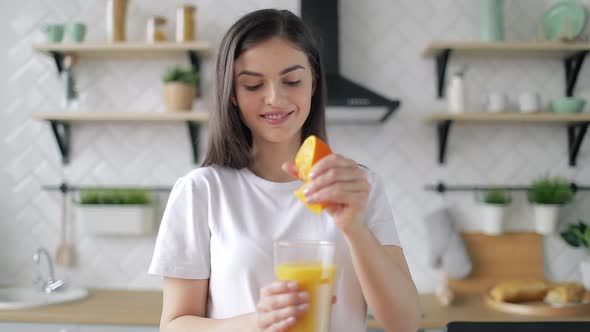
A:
x: 550, y: 191
x: 577, y: 235
x: 497, y: 197
x: 114, y: 196
x: 181, y: 75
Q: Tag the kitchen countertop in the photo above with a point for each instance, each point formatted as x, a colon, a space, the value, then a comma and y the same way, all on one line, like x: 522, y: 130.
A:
x: 469, y: 308
x: 128, y: 307
x: 102, y: 306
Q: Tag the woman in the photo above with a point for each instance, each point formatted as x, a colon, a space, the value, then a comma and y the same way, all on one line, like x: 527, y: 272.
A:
x: 214, y: 247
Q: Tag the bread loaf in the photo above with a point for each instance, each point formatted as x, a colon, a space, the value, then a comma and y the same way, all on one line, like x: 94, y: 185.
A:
x: 571, y: 292
x: 520, y: 291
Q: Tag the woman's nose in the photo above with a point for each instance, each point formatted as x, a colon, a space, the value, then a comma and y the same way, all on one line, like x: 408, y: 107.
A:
x: 274, y: 96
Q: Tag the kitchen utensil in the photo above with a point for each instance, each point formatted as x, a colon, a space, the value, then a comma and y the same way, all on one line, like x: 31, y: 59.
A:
x: 491, y: 20
x: 312, y: 265
x: 564, y: 21
x: 54, y: 32
x: 567, y: 105
x: 529, y: 102
x: 71, y: 101
x: 456, y: 93
x: 116, y: 20
x: 77, y: 32
x: 65, y: 256
x: 496, y: 102
x: 155, y: 29
x: 185, y: 23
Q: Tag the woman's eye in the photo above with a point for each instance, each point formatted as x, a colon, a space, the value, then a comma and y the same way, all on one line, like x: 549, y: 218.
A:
x: 252, y: 87
x: 293, y: 83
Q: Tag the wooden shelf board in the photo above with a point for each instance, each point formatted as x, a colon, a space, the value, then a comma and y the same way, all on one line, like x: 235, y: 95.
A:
x: 543, y: 117
x: 505, y: 48
x: 197, y: 116
x: 126, y: 49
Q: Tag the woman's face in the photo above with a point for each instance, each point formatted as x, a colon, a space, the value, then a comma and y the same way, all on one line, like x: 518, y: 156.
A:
x: 273, y: 88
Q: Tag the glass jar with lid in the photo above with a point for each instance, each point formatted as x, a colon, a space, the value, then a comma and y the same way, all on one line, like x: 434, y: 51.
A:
x: 155, y: 31
x: 185, y: 23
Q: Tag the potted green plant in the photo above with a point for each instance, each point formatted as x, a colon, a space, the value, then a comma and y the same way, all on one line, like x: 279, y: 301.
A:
x: 493, y: 209
x: 548, y: 194
x: 115, y: 211
x: 578, y: 236
x: 180, y: 88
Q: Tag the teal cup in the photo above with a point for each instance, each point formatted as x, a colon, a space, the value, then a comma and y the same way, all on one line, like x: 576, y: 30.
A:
x: 77, y: 32
x: 54, y: 32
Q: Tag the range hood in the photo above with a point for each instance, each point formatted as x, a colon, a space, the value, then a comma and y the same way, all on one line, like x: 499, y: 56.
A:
x: 344, y: 95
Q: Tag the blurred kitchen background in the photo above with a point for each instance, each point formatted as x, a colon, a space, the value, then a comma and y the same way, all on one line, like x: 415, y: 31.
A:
x: 381, y: 46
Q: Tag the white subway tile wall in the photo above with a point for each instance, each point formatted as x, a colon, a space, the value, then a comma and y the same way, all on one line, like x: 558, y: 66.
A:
x: 381, y: 45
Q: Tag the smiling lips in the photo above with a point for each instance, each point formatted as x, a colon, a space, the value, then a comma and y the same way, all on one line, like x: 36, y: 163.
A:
x: 276, y: 118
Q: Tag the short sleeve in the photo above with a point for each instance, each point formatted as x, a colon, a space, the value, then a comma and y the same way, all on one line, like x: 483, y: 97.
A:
x: 379, y: 216
x: 182, y: 244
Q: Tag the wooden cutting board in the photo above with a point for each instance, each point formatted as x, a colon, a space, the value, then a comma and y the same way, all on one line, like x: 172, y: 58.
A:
x: 510, y: 256
x: 500, y: 258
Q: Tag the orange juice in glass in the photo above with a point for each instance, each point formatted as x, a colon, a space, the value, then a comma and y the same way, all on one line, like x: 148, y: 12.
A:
x: 311, y: 265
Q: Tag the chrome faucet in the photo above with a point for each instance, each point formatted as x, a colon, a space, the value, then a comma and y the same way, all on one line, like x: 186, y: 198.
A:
x: 50, y: 284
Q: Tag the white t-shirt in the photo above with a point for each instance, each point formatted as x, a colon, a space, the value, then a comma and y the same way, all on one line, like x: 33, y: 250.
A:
x: 220, y: 224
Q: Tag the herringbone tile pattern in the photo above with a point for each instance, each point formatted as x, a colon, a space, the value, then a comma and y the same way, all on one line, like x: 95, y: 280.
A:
x: 381, y: 45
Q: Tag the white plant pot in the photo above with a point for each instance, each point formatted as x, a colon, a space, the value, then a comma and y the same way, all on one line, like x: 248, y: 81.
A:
x: 493, y: 218
x: 546, y: 218
x: 116, y: 219
x: 585, y: 271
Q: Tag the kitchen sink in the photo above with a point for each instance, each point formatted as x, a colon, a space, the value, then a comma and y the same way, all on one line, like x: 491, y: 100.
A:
x: 28, y: 297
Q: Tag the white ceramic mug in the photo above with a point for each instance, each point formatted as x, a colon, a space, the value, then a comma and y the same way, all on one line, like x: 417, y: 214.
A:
x: 496, y: 102
x: 529, y: 102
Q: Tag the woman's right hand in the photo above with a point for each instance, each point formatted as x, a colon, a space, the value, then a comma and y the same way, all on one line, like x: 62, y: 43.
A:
x: 279, y: 306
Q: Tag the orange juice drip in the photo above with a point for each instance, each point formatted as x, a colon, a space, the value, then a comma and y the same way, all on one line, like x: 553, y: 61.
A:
x: 317, y: 280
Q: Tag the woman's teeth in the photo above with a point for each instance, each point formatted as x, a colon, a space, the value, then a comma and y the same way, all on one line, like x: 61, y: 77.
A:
x: 276, y: 116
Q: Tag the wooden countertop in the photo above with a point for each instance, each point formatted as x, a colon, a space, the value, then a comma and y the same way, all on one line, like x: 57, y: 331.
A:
x: 102, y: 306
x: 128, y: 307
x: 469, y: 308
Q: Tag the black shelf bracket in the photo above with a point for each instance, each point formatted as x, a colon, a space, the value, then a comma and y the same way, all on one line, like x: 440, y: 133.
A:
x: 442, y: 60
x: 193, y: 131
x: 575, y: 136
x: 391, y: 108
x: 443, y: 129
x: 195, y: 61
x: 58, y: 58
x: 62, y: 132
x: 573, y: 65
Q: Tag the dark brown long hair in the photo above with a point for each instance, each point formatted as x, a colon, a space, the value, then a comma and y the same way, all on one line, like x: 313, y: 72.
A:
x: 230, y: 141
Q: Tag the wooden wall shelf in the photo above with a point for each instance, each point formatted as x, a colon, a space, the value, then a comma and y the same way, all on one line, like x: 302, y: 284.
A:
x: 577, y: 125
x: 57, y: 51
x: 193, y: 116
x: 61, y: 121
x: 124, y: 50
x: 573, y: 56
x: 61, y: 124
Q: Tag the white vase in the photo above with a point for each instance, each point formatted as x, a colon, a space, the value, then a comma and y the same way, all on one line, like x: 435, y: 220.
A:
x: 546, y: 218
x: 113, y: 219
x: 493, y: 218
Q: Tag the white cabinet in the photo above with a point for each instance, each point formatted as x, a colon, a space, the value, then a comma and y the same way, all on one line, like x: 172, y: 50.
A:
x: 62, y: 327
x: 37, y: 327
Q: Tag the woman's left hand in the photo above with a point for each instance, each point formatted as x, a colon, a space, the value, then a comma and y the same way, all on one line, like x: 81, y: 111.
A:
x: 341, y: 185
